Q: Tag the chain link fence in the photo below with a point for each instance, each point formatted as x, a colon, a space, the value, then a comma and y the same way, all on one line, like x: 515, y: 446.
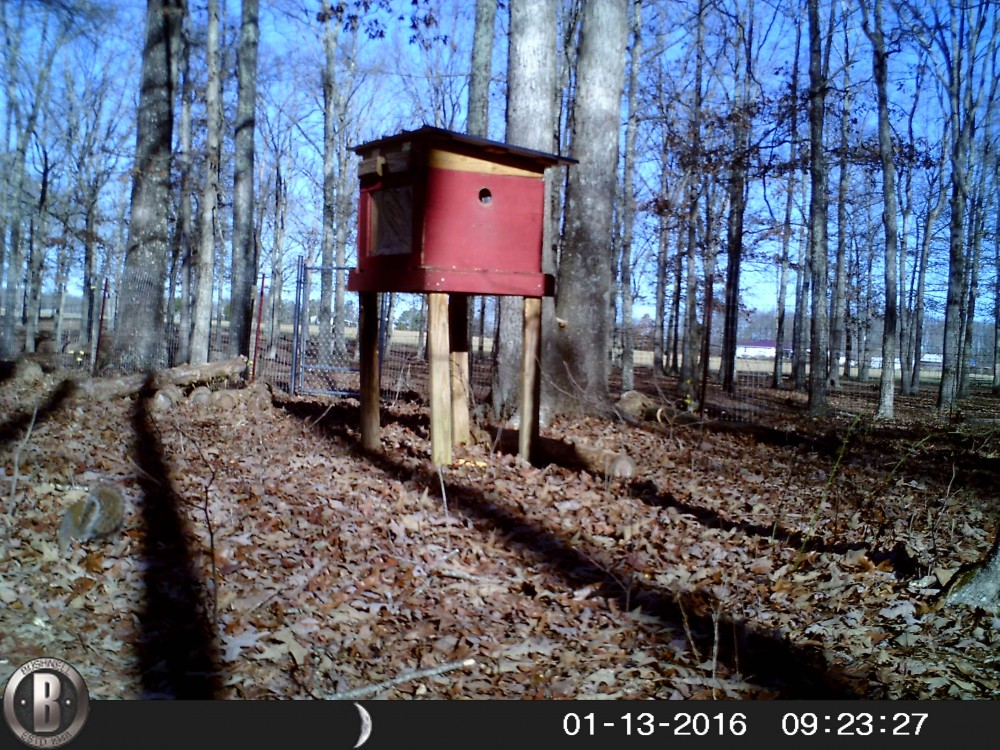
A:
x: 296, y: 351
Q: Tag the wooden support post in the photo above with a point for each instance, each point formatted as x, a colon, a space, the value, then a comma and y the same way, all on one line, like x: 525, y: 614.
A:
x: 531, y: 353
x: 440, y: 376
x: 458, y: 333
x: 371, y: 438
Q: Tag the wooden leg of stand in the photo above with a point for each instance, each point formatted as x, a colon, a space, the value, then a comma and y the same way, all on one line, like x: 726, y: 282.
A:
x: 371, y: 437
x: 458, y: 333
x: 530, y: 381
x: 440, y: 376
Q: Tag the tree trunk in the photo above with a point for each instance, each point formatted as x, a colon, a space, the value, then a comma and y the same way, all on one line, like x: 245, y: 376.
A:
x: 880, y: 66
x: 628, y: 200
x: 478, y: 121
x: 995, y: 380
x: 777, y: 376
x: 977, y: 585
x: 966, y: 78
x: 736, y: 189
x: 274, y: 290
x: 837, y: 300
x: 800, y: 335
x: 585, y: 267
x: 659, y: 333
x: 185, y: 211
x: 138, y: 342
x: 36, y: 257
x: 689, y: 348
x: 976, y: 225
x: 25, y: 119
x: 819, y: 354
x: 205, y: 258
x: 481, y: 69
x: 531, y: 120
x: 927, y: 235
x: 331, y: 33
x: 244, y: 271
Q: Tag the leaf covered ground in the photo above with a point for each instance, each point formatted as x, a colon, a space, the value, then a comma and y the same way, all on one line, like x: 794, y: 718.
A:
x: 797, y: 559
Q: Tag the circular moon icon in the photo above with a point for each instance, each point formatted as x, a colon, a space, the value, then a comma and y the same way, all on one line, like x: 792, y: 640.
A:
x: 366, y: 725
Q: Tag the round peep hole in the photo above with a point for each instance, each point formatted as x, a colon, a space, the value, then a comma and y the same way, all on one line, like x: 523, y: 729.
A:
x: 485, y: 196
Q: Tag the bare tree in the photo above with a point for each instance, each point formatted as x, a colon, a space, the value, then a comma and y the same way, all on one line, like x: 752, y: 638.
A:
x: 961, y: 40
x: 26, y: 89
x: 91, y: 125
x: 937, y: 189
x: 818, y: 356
x: 333, y: 100
x: 777, y: 375
x: 736, y: 187
x: 696, y: 181
x: 880, y: 64
x: 838, y: 296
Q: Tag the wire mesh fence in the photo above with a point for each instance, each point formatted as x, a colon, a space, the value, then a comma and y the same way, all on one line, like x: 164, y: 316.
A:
x: 295, y: 350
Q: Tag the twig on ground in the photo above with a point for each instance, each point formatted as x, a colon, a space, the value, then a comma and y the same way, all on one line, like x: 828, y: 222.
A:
x: 318, y: 419
x: 203, y: 506
x: 369, y: 690
x: 17, y: 465
x: 444, y: 493
x: 687, y: 630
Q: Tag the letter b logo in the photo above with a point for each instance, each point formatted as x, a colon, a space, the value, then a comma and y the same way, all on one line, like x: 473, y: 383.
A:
x: 46, y: 703
x: 46, y: 690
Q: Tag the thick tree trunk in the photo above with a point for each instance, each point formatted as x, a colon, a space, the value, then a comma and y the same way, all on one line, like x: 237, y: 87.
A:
x: 138, y: 342
x: 185, y: 211
x: 977, y: 585
x: 584, y: 282
x: 244, y: 247
x: 531, y: 121
x: 205, y: 262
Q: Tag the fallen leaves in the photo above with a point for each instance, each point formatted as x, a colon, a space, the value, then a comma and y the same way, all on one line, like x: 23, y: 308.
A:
x: 332, y: 570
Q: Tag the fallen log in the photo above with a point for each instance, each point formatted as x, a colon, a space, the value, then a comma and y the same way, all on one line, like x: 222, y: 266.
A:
x: 105, y: 389
x: 562, y: 452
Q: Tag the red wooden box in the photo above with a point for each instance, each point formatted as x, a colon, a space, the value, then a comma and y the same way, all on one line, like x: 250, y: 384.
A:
x: 445, y: 212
